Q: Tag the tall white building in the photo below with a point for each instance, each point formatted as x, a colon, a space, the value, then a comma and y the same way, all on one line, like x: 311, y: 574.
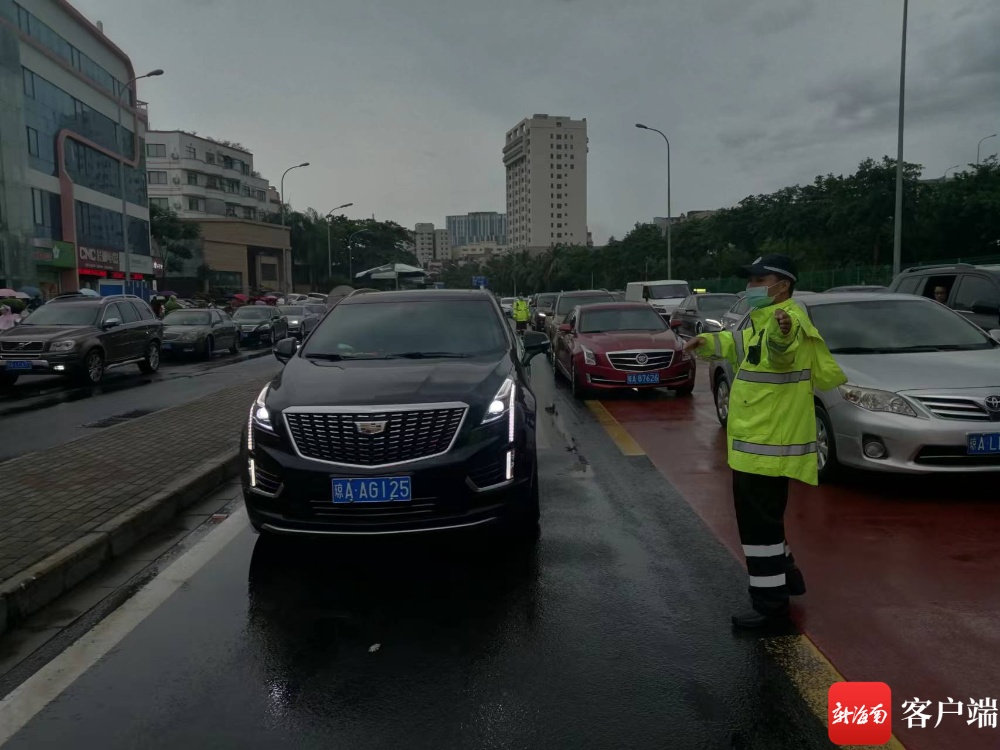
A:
x: 199, y: 178
x: 61, y: 149
x: 476, y: 227
x: 546, y: 161
x: 430, y: 244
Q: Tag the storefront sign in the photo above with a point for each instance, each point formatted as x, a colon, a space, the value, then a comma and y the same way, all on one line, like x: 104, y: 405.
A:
x: 157, y: 266
x: 137, y: 264
x: 103, y: 260
x: 60, y: 255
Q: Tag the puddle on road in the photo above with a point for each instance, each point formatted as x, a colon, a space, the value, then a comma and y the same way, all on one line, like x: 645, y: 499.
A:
x: 119, y: 418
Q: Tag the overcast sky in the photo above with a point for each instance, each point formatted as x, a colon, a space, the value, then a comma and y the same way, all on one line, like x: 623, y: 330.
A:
x: 401, y: 106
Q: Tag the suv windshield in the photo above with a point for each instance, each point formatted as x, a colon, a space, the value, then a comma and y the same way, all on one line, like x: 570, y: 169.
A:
x: 546, y: 301
x: 567, y: 302
x: 668, y: 291
x: 435, y: 328
x: 622, y: 319
x: 186, y: 318
x: 292, y: 310
x: 63, y: 314
x: 895, y: 326
x: 252, y: 313
x: 716, y: 303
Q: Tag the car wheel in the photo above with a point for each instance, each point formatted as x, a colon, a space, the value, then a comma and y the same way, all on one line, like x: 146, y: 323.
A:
x: 685, y: 390
x: 7, y: 379
x: 721, y: 393
x: 151, y: 363
x: 826, y: 446
x: 235, y: 347
x: 699, y: 328
x: 93, y: 368
x: 209, y: 348
x: 524, y: 526
x: 578, y: 390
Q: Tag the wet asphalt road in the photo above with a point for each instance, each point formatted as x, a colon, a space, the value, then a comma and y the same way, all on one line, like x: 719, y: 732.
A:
x: 42, y: 413
x: 612, y: 632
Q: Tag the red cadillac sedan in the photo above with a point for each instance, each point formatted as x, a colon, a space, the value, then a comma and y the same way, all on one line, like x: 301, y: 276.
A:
x: 621, y: 345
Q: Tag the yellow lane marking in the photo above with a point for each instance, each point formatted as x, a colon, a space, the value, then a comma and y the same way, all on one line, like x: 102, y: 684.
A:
x: 812, y: 674
x: 625, y: 442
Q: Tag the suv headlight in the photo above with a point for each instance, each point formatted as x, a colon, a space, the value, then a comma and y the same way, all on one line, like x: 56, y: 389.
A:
x: 62, y: 346
x: 503, y: 405
x: 588, y: 356
x: 259, y: 417
x: 875, y: 400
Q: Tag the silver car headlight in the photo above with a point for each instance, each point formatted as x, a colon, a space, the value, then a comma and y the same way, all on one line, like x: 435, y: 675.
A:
x: 714, y: 322
x: 876, y: 400
x: 62, y: 346
x: 502, y: 405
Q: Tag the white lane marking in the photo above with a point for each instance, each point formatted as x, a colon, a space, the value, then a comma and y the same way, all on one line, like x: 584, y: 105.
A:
x: 35, y: 693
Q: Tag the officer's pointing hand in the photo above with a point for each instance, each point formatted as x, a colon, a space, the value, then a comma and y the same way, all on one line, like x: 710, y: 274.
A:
x: 784, y: 321
x: 694, y: 343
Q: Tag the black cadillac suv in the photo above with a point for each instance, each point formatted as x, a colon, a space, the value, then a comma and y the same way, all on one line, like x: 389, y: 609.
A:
x: 402, y: 412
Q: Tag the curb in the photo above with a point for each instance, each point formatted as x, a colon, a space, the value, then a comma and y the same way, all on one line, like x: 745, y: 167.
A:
x: 32, y: 589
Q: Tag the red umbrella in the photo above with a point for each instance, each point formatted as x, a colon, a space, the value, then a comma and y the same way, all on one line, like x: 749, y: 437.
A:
x: 241, y: 297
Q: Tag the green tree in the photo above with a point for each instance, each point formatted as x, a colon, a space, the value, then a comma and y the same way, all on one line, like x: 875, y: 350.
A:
x: 175, y: 238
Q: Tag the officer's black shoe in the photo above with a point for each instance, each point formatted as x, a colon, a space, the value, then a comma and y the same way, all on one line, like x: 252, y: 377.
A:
x: 795, y: 582
x: 754, y: 620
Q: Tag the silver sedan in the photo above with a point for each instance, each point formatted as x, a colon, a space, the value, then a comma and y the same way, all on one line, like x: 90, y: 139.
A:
x: 923, y: 391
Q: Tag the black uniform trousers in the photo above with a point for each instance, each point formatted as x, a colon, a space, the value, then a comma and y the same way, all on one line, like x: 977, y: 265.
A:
x: 760, y: 514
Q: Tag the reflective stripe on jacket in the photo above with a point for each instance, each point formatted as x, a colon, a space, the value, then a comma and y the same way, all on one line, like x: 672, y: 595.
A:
x: 521, y: 311
x: 772, y: 418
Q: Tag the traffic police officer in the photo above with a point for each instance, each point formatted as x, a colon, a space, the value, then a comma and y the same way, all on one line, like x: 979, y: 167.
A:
x: 521, y: 314
x: 777, y: 361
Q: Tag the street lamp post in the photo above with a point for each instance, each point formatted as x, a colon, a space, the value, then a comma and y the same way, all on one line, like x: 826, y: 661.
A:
x: 897, y: 238
x: 329, y: 241
x: 120, y: 144
x: 945, y: 176
x: 979, y: 146
x: 670, y: 218
x: 281, y: 197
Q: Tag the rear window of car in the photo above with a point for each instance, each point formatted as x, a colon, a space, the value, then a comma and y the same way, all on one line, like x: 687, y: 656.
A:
x: 419, y: 329
x: 568, y: 302
x: 546, y: 301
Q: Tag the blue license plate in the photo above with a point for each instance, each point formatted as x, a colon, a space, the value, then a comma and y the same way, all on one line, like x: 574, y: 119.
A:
x: 18, y: 364
x: 372, y: 490
x: 642, y: 378
x: 166, y: 347
x: 983, y: 443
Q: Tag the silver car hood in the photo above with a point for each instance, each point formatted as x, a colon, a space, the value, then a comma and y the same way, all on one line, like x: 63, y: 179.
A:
x: 923, y: 371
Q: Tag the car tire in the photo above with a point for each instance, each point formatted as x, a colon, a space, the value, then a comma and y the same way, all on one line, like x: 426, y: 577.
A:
x: 579, y: 391
x: 7, y: 379
x: 93, y: 368
x: 209, y: 348
x: 721, y: 394
x: 685, y: 390
x: 699, y: 328
x: 151, y: 363
x: 524, y: 526
x: 235, y: 347
x: 826, y: 447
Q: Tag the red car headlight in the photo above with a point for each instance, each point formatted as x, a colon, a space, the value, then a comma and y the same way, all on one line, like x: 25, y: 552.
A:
x: 589, y: 357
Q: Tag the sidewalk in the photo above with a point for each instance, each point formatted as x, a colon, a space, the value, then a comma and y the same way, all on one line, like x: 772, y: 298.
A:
x: 66, y: 511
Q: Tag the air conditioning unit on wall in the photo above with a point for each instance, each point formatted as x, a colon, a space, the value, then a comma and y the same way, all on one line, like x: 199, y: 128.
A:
x: 177, y: 181
x: 177, y: 205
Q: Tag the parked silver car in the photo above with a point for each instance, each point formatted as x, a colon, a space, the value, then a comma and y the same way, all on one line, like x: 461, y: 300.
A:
x: 199, y: 332
x: 302, y: 318
x: 923, y: 391
x: 702, y: 313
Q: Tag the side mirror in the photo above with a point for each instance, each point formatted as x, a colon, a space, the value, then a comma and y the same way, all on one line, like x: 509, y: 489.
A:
x: 676, y: 324
x: 285, y: 349
x: 565, y: 328
x: 535, y: 343
x: 985, y: 308
x: 112, y: 323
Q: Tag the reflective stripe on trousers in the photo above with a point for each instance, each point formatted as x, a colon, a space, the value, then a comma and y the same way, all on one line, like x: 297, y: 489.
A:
x: 779, y: 451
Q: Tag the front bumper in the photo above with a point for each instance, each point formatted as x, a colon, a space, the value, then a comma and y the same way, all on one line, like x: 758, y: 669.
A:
x: 463, y: 489
x: 913, y: 445
x: 599, y: 377
x: 256, y: 336
x: 177, y: 347
x: 48, y: 363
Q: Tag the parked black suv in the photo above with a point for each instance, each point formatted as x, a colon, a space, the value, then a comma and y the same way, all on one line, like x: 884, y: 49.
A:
x: 402, y: 412
x: 973, y: 291
x: 82, y: 337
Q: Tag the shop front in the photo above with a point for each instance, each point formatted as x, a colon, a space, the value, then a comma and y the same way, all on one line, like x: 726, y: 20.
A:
x: 55, y: 267
x: 96, y: 266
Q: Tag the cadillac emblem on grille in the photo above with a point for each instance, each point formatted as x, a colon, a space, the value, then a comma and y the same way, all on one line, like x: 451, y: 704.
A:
x: 642, y: 358
x: 371, y: 428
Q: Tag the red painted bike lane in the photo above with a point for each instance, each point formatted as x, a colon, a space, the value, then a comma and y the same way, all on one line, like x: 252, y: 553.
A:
x: 901, y: 571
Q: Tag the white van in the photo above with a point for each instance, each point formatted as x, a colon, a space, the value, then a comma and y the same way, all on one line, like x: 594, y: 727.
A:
x: 665, y: 296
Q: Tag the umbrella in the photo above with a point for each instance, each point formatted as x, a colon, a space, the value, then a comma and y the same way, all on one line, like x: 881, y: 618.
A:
x: 7, y: 293
x: 241, y: 297
x: 167, y: 293
x: 395, y: 271
x: 31, y: 291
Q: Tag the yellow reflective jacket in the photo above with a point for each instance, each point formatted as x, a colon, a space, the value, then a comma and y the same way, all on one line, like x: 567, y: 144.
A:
x: 521, y: 310
x: 772, y: 416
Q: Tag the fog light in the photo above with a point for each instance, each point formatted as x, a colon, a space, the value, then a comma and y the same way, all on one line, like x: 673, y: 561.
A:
x: 59, y: 368
x: 510, y: 465
x: 874, y: 448
x: 253, y: 473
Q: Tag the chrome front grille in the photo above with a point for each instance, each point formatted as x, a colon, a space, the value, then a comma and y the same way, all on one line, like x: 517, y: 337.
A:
x: 955, y: 407
x: 397, y: 434
x: 21, y: 347
x: 641, y: 360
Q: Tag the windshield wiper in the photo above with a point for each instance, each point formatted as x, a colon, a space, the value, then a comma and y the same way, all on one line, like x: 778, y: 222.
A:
x: 428, y: 355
